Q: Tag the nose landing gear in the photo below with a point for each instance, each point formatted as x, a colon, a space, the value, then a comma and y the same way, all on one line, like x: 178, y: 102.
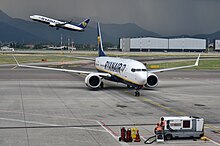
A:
x: 137, y: 93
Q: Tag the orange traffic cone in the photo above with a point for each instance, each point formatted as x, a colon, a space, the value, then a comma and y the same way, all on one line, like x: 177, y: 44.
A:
x: 137, y: 139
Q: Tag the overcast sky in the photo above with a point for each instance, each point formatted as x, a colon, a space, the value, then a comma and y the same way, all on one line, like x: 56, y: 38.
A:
x: 166, y: 17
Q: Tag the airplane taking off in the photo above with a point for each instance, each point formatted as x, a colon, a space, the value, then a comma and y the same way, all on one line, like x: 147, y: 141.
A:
x: 61, y: 24
x: 128, y: 71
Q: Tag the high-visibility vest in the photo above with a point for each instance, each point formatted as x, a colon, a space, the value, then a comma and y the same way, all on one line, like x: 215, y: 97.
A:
x: 162, y: 123
x: 158, y: 128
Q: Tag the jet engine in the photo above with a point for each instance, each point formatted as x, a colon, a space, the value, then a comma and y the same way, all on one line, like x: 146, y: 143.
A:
x: 93, y: 80
x: 52, y: 24
x: 152, y: 80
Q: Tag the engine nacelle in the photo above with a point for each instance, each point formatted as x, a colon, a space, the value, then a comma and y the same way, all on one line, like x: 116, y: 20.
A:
x: 52, y: 24
x: 152, y: 80
x: 93, y: 80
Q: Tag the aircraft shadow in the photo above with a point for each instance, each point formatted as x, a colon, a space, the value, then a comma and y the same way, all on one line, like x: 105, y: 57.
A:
x: 52, y: 87
x: 176, y: 86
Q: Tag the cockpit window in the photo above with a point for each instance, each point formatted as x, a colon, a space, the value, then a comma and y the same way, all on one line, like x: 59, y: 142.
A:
x: 134, y: 70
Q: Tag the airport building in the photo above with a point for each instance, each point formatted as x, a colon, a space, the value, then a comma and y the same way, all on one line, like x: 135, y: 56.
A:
x: 161, y: 44
x: 143, y: 44
x: 217, y: 45
x: 187, y: 44
x: 6, y: 48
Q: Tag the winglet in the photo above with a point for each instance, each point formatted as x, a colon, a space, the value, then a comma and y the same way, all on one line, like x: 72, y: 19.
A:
x: 197, y: 60
x: 16, y: 60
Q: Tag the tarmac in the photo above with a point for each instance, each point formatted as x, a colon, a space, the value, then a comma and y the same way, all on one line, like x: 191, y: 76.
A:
x: 49, y: 108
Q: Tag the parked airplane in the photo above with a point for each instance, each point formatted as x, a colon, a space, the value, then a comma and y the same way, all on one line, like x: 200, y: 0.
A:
x: 61, y: 24
x: 130, y: 72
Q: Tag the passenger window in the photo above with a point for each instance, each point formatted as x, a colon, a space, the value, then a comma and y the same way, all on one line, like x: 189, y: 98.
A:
x: 186, y: 124
x: 133, y: 70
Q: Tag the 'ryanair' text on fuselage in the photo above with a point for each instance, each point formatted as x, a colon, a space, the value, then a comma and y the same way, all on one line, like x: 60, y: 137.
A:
x: 115, y: 66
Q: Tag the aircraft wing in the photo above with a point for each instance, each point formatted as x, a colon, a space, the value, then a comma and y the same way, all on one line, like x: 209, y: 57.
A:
x: 62, y: 70
x: 61, y: 24
x: 175, y: 68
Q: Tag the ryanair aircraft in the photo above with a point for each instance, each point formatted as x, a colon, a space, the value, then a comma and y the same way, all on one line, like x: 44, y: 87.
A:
x: 130, y: 72
x: 61, y: 24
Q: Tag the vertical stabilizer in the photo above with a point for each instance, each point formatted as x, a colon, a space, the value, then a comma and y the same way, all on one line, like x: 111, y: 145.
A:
x: 100, y: 46
x: 84, y: 24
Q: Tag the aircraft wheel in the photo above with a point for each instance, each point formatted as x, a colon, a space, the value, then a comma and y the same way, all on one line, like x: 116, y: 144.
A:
x: 137, y: 93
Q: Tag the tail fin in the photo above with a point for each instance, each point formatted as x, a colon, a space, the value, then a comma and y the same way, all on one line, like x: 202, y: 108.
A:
x: 100, y: 46
x: 84, y: 24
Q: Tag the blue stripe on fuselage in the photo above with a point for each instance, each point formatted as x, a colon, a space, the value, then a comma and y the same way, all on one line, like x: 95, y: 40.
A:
x: 116, y: 78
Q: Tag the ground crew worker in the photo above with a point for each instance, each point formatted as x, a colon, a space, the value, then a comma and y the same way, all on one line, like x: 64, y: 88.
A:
x: 162, y: 123
x: 158, y: 129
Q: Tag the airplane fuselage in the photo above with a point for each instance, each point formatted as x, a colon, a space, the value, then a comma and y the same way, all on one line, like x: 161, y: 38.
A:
x: 128, y: 71
x: 55, y: 23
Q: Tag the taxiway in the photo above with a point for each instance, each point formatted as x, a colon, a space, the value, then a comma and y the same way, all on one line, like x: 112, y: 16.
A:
x: 51, y: 108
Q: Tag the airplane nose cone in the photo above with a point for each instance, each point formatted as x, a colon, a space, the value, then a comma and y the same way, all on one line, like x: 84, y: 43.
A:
x: 142, y: 79
x: 32, y: 17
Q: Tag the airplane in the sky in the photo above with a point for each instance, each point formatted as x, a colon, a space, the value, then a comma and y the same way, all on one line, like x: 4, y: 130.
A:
x: 61, y: 24
x: 128, y: 71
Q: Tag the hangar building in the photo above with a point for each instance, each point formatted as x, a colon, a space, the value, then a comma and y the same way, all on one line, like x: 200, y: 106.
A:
x: 217, y: 45
x: 143, y: 44
x: 162, y: 44
x: 187, y: 44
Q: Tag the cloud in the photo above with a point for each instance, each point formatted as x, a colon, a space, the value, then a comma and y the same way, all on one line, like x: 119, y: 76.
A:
x: 167, y: 17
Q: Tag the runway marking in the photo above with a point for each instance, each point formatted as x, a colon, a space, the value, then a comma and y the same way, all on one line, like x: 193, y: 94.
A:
x: 47, y: 124
x: 143, y: 138
x: 216, y: 129
x: 14, y: 67
x: 158, y: 105
x: 213, y: 141
x: 103, y: 124
x: 112, y: 133
x: 49, y: 116
x: 162, y: 106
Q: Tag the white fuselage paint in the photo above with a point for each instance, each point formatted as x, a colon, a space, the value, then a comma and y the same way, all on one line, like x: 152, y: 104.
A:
x: 122, y: 68
x: 54, y: 22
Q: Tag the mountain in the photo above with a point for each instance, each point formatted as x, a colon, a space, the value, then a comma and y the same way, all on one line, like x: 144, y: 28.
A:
x: 127, y: 30
x: 117, y: 31
x: 13, y: 29
x: 211, y: 36
x: 9, y: 33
